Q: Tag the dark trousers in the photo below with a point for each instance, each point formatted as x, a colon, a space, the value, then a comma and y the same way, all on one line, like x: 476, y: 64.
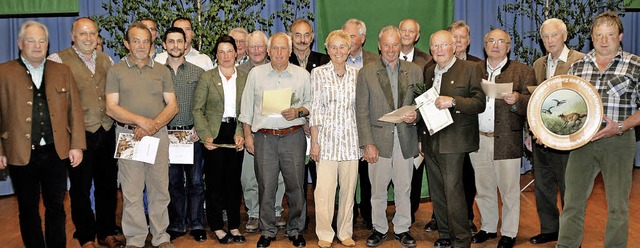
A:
x: 45, y: 172
x: 365, y: 194
x: 548, y: 170
x: 99, y: 166
x: 416, y: 190
x: 186, y: 188
x: 275, y: 154
x: 222, y: 177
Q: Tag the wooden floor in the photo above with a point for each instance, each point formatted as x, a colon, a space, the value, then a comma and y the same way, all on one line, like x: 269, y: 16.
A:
x: 595, y: 222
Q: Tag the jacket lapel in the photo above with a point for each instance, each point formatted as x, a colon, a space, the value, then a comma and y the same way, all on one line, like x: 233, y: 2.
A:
x: 403, y: 84
x: 385, y: 85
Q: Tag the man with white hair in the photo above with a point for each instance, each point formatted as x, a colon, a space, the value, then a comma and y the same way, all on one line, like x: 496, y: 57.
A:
x: 240, y: 34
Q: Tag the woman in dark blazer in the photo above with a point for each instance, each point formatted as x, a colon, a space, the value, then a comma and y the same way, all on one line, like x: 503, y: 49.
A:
x: 215, y: 109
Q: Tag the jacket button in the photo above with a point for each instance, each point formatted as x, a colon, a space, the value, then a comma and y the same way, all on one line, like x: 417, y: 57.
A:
x: 28, y: 120
x: 28, y: 136
x: 29, y: 103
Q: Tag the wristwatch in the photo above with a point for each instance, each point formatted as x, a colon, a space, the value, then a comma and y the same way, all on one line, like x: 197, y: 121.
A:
x: 453, y: 102
x: 300, y: 113
x: 620, y: 129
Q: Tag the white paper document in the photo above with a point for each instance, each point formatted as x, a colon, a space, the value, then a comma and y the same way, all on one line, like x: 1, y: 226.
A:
x: 436, y: 119
x: 495, y: 90
x: 396, y: 115
x: 144, y: 150
x: 274, y: 101
x: 181, y: 146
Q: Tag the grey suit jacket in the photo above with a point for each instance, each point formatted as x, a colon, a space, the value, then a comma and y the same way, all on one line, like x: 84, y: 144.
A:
x: 374, y: 99
x: 540, y: 66
x: 462, y: 82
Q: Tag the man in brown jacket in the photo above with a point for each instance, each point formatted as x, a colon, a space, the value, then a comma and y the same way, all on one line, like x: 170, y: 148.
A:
x: 42, y: 132
x: 497, y: 162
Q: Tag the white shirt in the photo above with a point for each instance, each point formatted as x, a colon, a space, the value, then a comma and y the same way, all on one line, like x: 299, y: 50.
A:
x: 553, y: 64
x: 487, y: 118
x: 409, y: 56
x: 194, y: 57
x: 229, y: 88
x: 437, y: 78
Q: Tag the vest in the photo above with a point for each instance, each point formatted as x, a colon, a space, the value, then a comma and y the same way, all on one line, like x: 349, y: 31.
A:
x: 40, y: 119
x: 91, y: 87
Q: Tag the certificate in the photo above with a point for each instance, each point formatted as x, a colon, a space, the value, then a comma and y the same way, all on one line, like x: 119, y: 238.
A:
x: 436, y: 119
x: 396, y: 115
x: 144, y: 150
x: 495, y: 90
x: 274, y: 101
x: 181, y: 146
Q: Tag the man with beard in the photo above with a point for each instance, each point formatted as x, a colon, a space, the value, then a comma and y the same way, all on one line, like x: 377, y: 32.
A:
x: 191, y: 54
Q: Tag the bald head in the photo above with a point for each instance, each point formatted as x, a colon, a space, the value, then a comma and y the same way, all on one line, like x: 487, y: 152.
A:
x: 84, y: 34
x: 441, y: 45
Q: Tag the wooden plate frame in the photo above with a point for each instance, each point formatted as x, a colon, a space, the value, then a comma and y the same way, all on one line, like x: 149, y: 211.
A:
x: 541, y: 116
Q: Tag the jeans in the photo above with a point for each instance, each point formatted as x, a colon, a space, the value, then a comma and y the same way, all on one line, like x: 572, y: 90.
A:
x: 187, y: 197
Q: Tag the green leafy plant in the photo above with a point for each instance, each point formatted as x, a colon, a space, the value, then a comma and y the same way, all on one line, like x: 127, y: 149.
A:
x: 577, y: 15
x: 210, y: 19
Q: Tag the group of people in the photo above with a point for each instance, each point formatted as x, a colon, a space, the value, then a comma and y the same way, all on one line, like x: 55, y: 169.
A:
x: 61, y: 115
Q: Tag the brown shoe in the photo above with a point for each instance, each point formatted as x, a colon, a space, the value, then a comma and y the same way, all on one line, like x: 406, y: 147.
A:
x: 166, y: 245
x: 89, y: 244
x: 111, y: 242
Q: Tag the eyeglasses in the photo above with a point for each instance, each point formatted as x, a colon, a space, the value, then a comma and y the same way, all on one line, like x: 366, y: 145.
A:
x: 257, y: 47
x: 443, y: 45
x: 499, y: 42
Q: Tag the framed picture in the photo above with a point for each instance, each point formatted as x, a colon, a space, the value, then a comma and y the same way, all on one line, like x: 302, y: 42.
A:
x: 565, y: 112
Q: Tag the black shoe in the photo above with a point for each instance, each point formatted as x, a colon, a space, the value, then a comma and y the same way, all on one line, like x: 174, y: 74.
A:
x: 298, y: 240
x: 431, y: 226
x: 472, y: 227
x: 483, y: 236
x: 199, y: 235
x: 224, y: 240
x: 544, y: 238
x: 238, y: 238
x: 405, y: 239
x: 506, y: 242
x: 375, y: 238
x: 175, y: 234
x: 367, y: 225
x: 442, y: 243
x: 265, y: 241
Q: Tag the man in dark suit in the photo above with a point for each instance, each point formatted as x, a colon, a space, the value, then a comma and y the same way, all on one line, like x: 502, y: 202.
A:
x: 301, y: 33
x: 497, y: 162
x: 462, y: 34
x: 382, y: 87
x: 458, y: 83
x: 42, y: 129
x: 359, y: 57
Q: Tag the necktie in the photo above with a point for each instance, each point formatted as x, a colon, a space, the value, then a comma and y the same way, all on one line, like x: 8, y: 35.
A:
x: 404, y: 57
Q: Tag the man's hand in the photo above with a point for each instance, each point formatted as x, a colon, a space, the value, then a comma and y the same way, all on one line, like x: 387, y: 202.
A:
x: 3, y: 162
x: 444, y: 102
x: 248, y: 142
x: 371, y: 153
x: 511, y: 98
x: 289, y: 114
x: 138, y: 133
x: 148, y: 125
x: 409, y: 117
x: 315, y: 151
x: 239, y: 142
x: 75, y: 156
x: 208, y: 143
x: 609, y: 131
x: 194, y: 136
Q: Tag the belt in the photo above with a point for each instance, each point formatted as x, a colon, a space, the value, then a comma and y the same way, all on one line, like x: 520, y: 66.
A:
x: 229, y: 119
x: 186, y: 127
x: 280, y: 131
x: 486, y: 134
x: 127, y: 126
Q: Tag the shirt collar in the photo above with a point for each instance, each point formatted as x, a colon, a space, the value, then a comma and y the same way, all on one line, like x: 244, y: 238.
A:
x: 93, y: 55
x: 30, y: 66
x: 234, y: 75
x: 409, y: 55
x: 499, y: 66
x: 447, y: 67
x: 356, y: 58
x: 150, y: 63
x: 564, y: 55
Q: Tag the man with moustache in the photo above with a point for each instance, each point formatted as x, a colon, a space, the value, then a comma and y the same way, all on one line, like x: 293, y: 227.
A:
x: 191, y: 55
x: 359, y: 57
x: 278, y: 141
x: 550, y: 164
x: 458, y: 84
x: 462, y: 34
x: 43, y: 133
x: 302, y: 34
x: 240, y: 34
x: 615, y: 75
x: 89, y: 68
x: 497, y: 162
x: 384, y: 86
x: 187, y: 198
x: 153, y: 28
x: 257, y: 47
x: 141, y: 98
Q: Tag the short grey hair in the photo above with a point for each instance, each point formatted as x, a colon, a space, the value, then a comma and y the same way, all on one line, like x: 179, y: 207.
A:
x: 459, y: 24
x: 30, y: 23
x: 239, y: 30
x: 362, y: 28
x: 289, y: 41
x: 410, y: 19
x: 554, y: 21
x: 388, y: 28
x: 257, y: 35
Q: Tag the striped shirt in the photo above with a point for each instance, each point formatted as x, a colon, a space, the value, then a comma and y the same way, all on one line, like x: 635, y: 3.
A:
x: 617, y: 85
x: 333, y: 103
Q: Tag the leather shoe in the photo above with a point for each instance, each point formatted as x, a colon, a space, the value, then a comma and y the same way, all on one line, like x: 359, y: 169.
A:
x: 544, y: 238
x: 265, y: 241
x: 375, y: 238
x: 506, y: 242
x: 298, y: 240
x: 483, y: 236
x: 174, y: 234
x: 442, y: 243
x: 238, y: 238
x: 111, y: 242
x: 431, y: 226
x: 198, y: 235
x: 224, y: 240
x: 405, y: 239
x: 472, y: 227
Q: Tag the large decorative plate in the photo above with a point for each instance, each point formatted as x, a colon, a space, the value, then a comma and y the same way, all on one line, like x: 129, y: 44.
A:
x: 565, y: 112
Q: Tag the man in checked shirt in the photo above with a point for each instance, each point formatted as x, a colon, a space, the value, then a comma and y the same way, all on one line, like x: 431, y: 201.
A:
x: 615, y: 75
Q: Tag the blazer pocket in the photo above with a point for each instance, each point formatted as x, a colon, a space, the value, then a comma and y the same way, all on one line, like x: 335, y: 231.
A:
x: 61, y: 89
x: 68, y: 129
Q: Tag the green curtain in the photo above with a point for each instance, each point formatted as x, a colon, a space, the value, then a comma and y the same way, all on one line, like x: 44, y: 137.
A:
x: 31, y: 7
x: 432, y: 15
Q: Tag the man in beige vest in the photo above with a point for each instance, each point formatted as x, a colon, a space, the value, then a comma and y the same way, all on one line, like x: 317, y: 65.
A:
x: 89, y: 68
